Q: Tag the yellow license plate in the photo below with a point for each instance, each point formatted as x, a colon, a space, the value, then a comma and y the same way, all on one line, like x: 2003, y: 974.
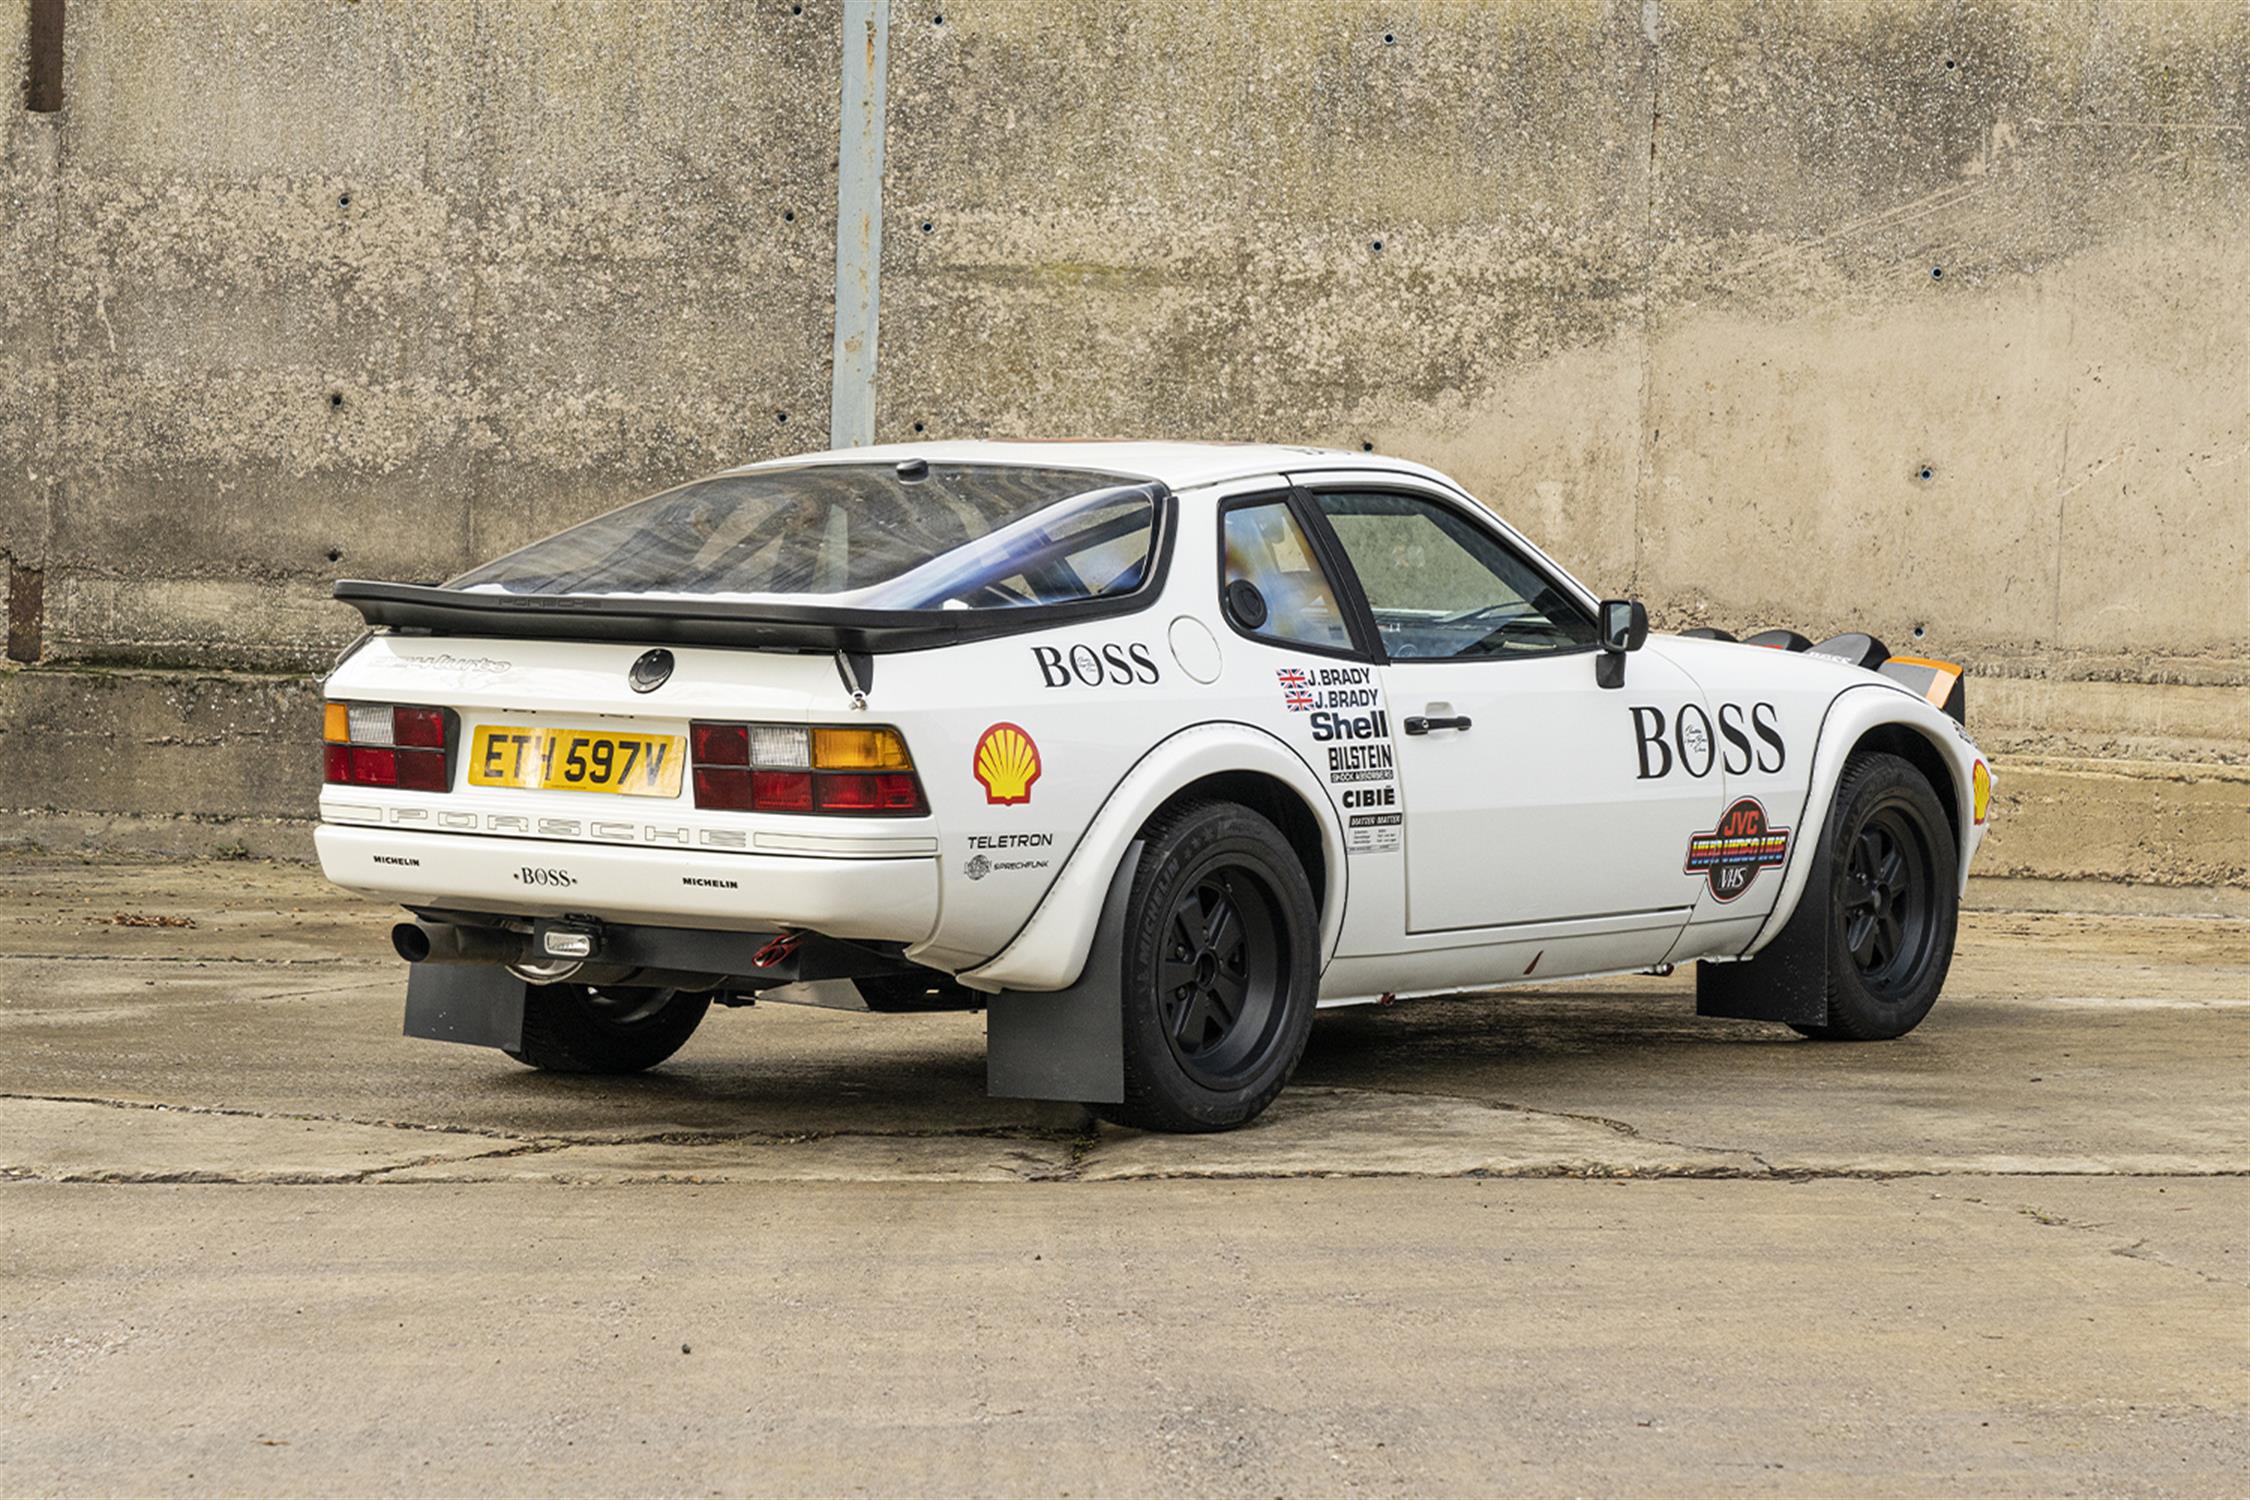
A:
x: 577, y: 760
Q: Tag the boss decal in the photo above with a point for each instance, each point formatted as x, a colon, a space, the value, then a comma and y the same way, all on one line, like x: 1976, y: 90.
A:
x: 1005, y: 764
x: 1732, y: 854
x: 1742, y: 739
x: 1086, y: 665
x: 543, y: 875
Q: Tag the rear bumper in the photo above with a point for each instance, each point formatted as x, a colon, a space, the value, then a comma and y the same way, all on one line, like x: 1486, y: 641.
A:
x: 886, y: 899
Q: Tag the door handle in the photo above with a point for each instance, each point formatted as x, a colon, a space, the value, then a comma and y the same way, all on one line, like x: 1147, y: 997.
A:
x: 1420, y: 725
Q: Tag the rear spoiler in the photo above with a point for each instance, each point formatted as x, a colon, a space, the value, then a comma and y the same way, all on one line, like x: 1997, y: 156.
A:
x: 423, y: 609
x: 1942, y: 683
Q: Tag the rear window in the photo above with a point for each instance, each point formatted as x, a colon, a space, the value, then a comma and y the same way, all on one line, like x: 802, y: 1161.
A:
x: 961, y: 536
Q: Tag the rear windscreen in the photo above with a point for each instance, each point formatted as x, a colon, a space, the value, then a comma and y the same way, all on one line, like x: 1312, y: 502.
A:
x: 963, y: 536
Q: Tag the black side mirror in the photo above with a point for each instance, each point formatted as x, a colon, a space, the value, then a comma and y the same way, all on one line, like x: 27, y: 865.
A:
x: 1624, y: 627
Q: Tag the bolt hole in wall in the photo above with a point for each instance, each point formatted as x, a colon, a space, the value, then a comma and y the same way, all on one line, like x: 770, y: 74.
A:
x: 335, y: 399
x: 1937, y: 273
x: 1925, y: 473
x: 917, y: 427
x: 335, y: 554
x: 344, y: 200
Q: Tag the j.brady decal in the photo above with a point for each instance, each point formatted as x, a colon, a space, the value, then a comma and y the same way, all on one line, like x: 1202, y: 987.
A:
x: 1686, y: 740
x: 1732, y: 854
x: 1361, y: 763
x: 1005, y: 764
x: 1304, y: 689
x: 1086, y: 665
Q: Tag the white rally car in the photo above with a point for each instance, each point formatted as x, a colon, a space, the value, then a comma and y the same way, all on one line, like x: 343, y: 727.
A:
x: 1145, y: 749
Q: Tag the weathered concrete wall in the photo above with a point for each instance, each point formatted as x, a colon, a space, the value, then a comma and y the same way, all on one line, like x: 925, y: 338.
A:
x: 1926, y: 317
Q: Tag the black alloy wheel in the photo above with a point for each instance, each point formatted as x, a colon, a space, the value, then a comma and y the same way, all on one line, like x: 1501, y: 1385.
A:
x: 1886, y: 899
x: 1224, y: 975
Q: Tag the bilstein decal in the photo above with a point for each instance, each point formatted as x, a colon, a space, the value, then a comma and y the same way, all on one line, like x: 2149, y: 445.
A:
x: 1086, y: 665
x: 1732, y: 854
x: 1005, y: 764
x: 1744, y: 738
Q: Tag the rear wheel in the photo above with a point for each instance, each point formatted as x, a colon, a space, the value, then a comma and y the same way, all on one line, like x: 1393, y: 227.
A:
x: 1893, y: 902
x: 580, y: 1028
x: 1221, y: 954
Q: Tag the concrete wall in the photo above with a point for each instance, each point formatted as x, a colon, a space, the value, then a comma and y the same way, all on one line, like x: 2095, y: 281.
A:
x: 1930, y: 317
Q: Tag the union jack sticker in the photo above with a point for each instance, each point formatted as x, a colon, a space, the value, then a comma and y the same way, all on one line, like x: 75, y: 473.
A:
x: 1296, y: 688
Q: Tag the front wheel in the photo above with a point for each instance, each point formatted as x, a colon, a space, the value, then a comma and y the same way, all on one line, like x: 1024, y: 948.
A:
x: 1220, y: 967
x: 1894, y: 904
x: 582, y: 1028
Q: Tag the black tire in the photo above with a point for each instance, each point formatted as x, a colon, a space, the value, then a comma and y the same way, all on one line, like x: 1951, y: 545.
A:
x: 1220, y: 968
x: 576, y: 1028
x: 1894, y: 903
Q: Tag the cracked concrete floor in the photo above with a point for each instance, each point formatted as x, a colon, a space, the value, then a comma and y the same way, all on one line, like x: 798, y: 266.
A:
x: 256, y: 1241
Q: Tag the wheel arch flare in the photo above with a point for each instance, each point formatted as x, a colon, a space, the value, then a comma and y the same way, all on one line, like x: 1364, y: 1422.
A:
x: 1226, y: 761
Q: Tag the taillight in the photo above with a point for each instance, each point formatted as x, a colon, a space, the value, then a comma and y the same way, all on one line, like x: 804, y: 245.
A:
x: 406, y: 748
x: 825, y: 768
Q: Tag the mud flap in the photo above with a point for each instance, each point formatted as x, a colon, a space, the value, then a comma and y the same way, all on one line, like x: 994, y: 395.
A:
x: 479, y: 1005
x: 1068, y: 1044
x: 1788, y: 980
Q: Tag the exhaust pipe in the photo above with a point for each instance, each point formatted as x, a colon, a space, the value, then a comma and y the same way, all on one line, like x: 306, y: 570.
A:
x: 449, y: 943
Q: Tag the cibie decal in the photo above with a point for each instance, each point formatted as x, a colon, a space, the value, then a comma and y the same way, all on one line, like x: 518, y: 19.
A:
x: 1733, y: 853
x: 1006, y: 763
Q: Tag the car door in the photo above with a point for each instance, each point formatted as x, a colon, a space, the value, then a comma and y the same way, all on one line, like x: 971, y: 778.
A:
x: 1519, y: 773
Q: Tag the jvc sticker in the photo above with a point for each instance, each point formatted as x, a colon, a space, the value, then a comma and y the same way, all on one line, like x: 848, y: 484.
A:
x: 1732, y: 854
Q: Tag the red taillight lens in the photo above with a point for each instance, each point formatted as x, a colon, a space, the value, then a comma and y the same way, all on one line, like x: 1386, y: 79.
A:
x: 382, y: 745
x: 723, y: 787
x: 720, y: 744
x: 421, y: 728
x: 781, y: 791
x: 886, y: 791
x: 763, y: 768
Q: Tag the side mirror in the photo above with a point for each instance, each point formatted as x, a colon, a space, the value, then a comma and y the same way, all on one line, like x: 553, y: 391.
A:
x: 1624, y: 627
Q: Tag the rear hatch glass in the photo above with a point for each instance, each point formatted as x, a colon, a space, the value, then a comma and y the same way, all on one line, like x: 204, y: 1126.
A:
x: 871, y: 536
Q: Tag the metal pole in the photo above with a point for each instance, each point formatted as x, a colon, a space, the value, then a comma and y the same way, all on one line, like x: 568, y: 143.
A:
x: 43, y: 58
x: 859, y: 222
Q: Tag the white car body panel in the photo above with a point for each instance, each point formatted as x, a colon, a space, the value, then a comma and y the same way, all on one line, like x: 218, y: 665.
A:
x: 1574, y: 863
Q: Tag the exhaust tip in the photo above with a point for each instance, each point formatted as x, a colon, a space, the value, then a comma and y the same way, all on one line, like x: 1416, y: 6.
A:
x: 412, y: 940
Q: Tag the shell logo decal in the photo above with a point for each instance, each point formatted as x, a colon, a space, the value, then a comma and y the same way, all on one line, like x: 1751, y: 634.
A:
x: 1006, y: 764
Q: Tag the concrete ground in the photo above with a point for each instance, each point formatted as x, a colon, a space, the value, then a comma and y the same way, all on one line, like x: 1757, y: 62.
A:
x: 1561, y: 1241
